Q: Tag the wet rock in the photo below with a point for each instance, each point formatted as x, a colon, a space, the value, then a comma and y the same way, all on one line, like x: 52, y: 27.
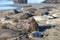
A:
x: 36, y: 34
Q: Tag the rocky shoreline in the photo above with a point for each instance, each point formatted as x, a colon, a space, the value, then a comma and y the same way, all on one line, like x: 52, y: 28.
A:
x: 31, y: 22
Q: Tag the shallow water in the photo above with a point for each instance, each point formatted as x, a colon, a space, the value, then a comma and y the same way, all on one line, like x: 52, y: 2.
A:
x: 7, y: 4
x: 7, y: 7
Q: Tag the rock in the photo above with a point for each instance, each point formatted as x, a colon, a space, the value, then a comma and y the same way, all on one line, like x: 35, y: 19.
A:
x: 23, y: 38
x: 53, y: 22
x: 49, y: 17
x: 52, y: 1
x: 40, y: 20
x: 33, y: 26
x: 48, y: 8
x: 21, y: 16
x: 7, y: 33
x: 54, y: 11
x: 28, y: 25
x: 36, y: 34
x: 8, y: 21
x: 23, y: 25
x: 13, y: 38
x: 46, y: 20
x: 9, y: 12
x: 52, y: 32
x: 26, y: 12
x: 25, y: 16
x: 9, y: 26
x: 20, y: 1
x: 45, y: 13
x: 16, y: 11
x: 32, y: 10
x: 40, y: 11
x: 53, y: 38
x: 7, y: 17
x: 57, y: 15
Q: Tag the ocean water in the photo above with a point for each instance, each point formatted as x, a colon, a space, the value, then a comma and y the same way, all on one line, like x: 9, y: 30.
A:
x: 6, y: 4
x: 35, y: 1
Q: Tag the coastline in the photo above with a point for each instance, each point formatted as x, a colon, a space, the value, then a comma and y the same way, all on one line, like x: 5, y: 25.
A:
x: 41, y: 5
x: 33, y: 22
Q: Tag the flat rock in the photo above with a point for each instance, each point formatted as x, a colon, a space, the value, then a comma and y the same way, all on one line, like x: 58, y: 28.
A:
x: 7, y: 33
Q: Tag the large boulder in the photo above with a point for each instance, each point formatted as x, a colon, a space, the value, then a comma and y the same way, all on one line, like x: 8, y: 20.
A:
x: 29, y: 25
x: 33, y: 25
x: 40, y: 20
